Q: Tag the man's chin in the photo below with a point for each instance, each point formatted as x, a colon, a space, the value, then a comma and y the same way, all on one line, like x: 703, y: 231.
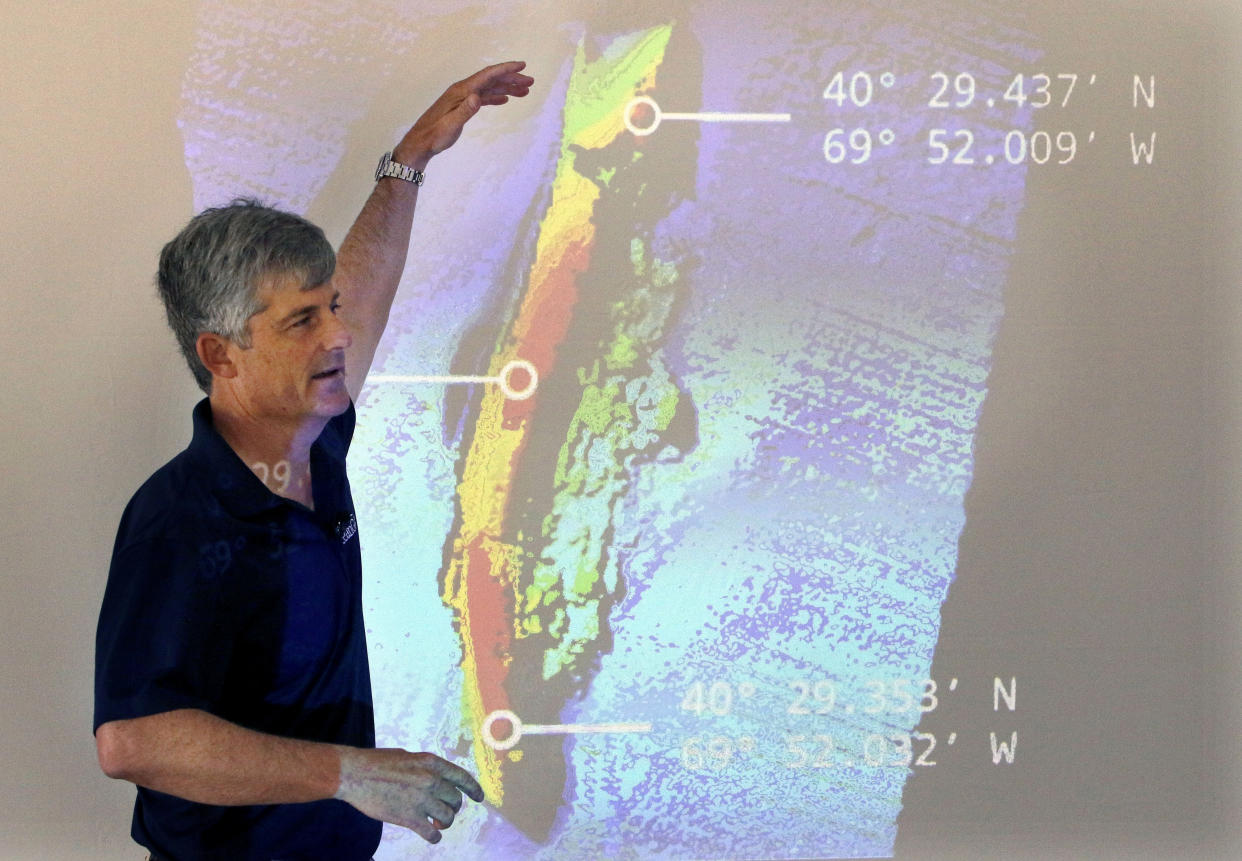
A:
x: 335, y: 406
x: 332, y: 401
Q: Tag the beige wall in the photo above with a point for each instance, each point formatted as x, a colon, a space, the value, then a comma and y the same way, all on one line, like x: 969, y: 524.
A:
x: 93, y: 398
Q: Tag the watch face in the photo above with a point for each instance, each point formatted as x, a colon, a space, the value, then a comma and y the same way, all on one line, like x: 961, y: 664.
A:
x: 383, y: 163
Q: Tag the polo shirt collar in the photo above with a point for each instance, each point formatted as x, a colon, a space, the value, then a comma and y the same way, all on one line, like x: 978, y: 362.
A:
x: 230, y: 480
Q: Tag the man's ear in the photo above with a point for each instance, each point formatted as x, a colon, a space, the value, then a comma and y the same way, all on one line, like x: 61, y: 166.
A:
x: 213, y: 352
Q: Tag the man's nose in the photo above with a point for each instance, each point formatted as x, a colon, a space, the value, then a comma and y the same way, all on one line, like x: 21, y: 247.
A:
x: 337, y: 334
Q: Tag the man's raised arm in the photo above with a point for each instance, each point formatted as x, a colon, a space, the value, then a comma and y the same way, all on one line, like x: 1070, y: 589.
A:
x: 372, y: 255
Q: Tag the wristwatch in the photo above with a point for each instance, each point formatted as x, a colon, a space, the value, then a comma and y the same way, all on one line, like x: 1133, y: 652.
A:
x: 388, y: 167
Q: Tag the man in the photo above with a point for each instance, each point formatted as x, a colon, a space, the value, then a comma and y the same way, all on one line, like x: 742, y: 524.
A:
x: 231, y: 674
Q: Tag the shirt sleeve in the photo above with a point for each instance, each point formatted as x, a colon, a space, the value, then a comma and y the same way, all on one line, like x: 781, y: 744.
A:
x: 162, y: 642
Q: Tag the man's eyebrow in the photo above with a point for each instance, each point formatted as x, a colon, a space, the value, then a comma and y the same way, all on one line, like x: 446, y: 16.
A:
x: 307, y: 309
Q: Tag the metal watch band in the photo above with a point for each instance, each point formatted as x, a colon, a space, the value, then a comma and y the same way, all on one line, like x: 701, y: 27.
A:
x: 388, y: 167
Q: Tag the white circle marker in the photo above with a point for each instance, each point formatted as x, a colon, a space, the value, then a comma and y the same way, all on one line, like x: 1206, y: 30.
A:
x: 517, y: 729
x: 659, y: 116
x: 628, y: 116
x: 507, y: 371
x: 501, y: 379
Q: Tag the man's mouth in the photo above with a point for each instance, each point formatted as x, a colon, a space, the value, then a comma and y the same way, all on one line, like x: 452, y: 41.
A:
x: 328, y: 374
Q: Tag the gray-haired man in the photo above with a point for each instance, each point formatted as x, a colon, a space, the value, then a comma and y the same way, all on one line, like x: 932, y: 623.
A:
x: 231, y: 675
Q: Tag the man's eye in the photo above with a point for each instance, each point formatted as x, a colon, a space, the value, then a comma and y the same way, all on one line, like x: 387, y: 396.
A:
x: 334, y: 307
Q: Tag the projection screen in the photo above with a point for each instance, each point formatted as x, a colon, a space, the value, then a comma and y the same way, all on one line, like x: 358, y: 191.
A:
x: 777, y: 435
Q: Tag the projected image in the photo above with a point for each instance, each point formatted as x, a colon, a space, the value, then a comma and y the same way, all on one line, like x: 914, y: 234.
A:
x: 660, y: 470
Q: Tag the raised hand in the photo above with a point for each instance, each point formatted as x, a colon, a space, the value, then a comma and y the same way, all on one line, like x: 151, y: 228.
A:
x: 440, y: 125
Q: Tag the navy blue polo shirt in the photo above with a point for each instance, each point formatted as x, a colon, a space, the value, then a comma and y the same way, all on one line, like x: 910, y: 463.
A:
x: 226, y: 597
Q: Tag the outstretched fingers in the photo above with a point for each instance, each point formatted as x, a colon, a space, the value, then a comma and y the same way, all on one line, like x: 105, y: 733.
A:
x: 459, y: 778
x: 441, y: 124
x: 495, y: 84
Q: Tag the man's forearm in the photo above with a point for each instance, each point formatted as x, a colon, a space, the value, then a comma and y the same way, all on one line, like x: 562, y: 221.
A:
x: 200, y: 757
x: 369, y: 265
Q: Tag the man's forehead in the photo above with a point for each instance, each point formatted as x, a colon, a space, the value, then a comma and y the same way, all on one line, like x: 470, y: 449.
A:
x: 290, y: 288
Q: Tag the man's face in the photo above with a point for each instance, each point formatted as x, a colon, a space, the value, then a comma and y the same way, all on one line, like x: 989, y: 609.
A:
x: 294, y: 368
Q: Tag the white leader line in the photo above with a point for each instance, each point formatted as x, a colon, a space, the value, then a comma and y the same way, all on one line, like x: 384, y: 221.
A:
x: 658, y: 116
x: 519, y: 729
x: 501, y: 379
x: 721, y: 117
